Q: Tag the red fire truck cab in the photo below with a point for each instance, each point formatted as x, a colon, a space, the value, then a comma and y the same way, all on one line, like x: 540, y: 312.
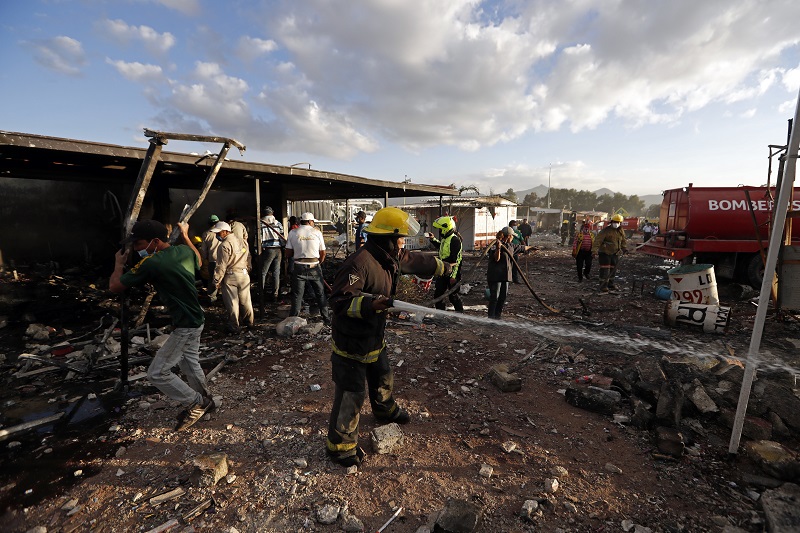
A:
x: 719, y: 226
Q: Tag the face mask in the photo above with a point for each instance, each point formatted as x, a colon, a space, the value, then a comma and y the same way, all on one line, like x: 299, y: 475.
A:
x: 143, y: 252
x: 615, y: 225
x: 220, y: 239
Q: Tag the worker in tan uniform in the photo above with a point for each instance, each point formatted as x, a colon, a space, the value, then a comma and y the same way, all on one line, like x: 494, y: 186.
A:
x: 232, y: 277
x: 208, y: 256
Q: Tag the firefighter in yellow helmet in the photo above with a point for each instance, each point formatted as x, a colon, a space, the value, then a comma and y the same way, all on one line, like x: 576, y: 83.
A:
x: 450, y: 247
x: 362, y: 292
x: 564, y: 232
x: 609, y: 245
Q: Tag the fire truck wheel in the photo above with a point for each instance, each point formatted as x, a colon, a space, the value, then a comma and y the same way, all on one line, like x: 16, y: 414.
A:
x: 755, y: 271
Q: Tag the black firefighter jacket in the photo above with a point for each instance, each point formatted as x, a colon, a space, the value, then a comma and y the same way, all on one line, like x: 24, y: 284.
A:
x: 357, y: 330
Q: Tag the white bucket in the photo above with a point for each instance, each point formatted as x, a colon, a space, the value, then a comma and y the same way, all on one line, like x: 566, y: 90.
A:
x: 694, y: 284
x: 709, y: 318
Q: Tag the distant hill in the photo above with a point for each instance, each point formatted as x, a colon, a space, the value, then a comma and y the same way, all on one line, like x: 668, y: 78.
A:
x: 650, y: 199
x: 541, y: 192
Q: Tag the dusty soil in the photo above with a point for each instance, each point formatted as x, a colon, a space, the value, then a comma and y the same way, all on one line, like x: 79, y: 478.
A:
x: 272, y: 426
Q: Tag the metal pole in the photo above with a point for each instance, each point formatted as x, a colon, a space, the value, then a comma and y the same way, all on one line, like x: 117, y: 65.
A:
x: 261, y: 288
x: 348, y: 226
x: 548, y: 185
x: 775, y: 238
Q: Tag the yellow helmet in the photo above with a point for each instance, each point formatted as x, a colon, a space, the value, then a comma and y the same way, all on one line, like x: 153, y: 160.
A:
x: 446, y: 224
x: 197, y: 240
x: 616, y: 218
x: 392, y: 221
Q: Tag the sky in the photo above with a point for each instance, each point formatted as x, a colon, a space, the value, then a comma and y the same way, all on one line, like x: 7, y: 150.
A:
x: 636, y: 96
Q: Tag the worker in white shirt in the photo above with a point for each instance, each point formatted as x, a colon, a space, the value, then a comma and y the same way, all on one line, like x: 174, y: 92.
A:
x: 306, y: 247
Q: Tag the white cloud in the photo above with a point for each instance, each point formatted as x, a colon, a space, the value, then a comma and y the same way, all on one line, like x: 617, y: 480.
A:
x: 187, y: 7
x: 136, y: 71
x: 340, y: 76
x: 791, y: 80
x: 214, y: 97
x: 301, y: 119
x: 157, y: 43
x: 62, y: 54
x: 425, y: 73
x: 788, y: 106
x: 250, y: 48
x: 750, y: 113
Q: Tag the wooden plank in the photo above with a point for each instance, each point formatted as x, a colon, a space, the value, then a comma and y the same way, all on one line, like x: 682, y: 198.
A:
x: 7, y: 432
x: 190, y: 137
x: 166, y: 526
x: 35, y: 372
x: 161, y: 498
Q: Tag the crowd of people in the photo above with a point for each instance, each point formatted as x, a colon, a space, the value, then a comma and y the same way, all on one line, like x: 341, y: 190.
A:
x: 354, y: 307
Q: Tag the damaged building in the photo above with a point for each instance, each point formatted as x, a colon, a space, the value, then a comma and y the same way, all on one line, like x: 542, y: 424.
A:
x: 64, y: 199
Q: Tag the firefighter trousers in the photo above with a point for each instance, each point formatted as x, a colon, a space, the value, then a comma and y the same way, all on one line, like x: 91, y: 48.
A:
x: 608, y: 269
x: 442, y: 286
x: 350, y: 377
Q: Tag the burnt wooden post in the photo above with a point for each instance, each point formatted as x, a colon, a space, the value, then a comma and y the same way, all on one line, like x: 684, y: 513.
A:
x: 142, y: 183
x: 157, y: 140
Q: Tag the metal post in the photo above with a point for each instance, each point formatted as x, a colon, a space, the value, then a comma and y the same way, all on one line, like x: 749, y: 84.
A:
x: 348, y: 225
x: 775, y: 238
x: 260, y: 274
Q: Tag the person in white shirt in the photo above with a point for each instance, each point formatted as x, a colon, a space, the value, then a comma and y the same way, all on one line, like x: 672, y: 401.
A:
x: 306, y: 247
x: 647, y: 230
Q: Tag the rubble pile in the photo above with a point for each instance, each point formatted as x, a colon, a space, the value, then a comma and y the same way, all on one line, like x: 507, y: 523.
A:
x: 510, y: 431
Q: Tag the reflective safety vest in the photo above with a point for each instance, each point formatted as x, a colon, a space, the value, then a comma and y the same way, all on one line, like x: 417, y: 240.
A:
x: 444, y: 253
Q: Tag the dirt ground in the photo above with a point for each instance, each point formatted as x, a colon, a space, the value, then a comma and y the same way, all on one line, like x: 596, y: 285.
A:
x: 276, y: 398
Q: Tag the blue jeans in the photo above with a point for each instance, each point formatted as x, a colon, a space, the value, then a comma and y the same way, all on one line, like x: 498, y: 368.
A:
x: 498, y: 290
x: 312, y: 276
x: 271, y: 264
x: 182, y: 349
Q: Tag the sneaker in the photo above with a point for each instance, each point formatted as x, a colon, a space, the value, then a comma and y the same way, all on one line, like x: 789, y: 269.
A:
x: 188, y: 417
x: 350, y: 460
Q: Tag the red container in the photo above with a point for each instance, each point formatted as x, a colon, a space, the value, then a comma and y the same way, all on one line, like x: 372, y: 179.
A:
x: 715, y: 225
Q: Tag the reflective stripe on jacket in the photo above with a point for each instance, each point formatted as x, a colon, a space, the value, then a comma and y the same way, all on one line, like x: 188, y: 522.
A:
x: 357, y: 330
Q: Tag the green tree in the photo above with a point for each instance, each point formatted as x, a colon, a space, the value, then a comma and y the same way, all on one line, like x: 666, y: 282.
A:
x: 511, y: 195
x: 531, y: 199
x: 653, y: 211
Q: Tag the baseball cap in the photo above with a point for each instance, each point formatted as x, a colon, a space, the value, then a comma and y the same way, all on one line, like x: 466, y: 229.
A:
x: 147, y: 230
x: 507, y: 231
x: 220, y: 226
x: 213, y: 219
x: 307, y: 217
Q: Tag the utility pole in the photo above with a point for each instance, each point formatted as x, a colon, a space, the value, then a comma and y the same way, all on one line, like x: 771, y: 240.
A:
x: 548, y: 185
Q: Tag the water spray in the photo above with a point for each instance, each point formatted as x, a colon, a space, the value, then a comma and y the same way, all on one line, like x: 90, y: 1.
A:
x: 620, y: 342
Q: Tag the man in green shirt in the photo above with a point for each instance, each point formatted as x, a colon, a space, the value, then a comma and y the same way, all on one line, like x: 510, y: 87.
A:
x: 171, y: 270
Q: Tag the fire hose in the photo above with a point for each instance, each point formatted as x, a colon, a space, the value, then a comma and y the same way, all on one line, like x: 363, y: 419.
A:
x: 451, y: 290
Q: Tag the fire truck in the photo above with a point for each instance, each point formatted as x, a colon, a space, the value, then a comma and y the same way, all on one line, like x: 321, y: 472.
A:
x: 727, y: 227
